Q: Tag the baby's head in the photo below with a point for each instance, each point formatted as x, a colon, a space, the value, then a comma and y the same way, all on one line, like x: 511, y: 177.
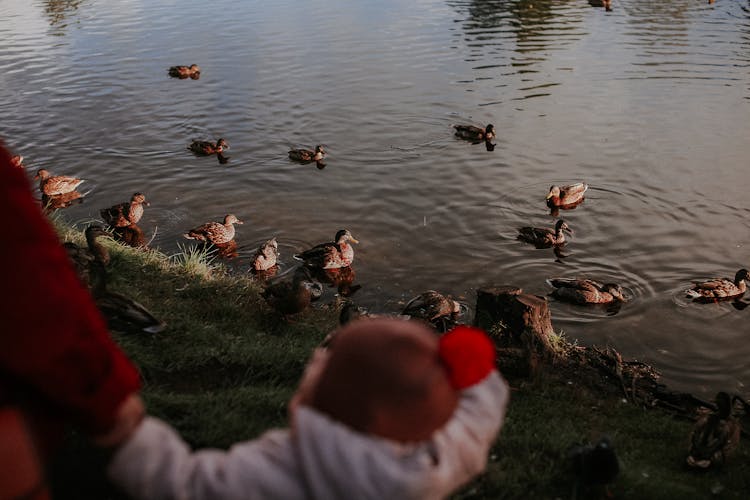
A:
x: 385, y: 377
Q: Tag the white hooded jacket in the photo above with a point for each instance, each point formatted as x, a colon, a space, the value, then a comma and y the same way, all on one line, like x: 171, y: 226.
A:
x: 318, y: 458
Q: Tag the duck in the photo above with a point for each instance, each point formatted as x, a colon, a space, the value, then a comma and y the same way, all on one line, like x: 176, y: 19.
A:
x: 52, y: 185
x: 714, y: 435
x: 206, y: 148
x: 266, y: 255
x: 586, y: 291
x: 565, y: 196
x: 193, y: 71
x: 543, y: 237
x: 306, y: 155
x: 90, y: 261
x: 123, y: 314
x: 437, y: 309
x: 17, y: 161
x: 331, y: 255
x: 719, y: 288
x: 594, y: 466
x: 125, y: 214
x: 215, y: 232
x: 58, y: 201
x: 293, y: 296
x: 474, y: 133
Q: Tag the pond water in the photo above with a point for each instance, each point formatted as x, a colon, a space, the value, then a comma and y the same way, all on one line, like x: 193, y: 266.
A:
x: 648, y: 103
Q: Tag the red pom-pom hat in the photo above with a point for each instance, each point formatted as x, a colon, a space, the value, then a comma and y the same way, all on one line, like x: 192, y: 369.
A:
x: 468, y: 354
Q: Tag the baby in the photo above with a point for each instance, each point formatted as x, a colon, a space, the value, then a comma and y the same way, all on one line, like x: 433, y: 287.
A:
x: 388, y: 410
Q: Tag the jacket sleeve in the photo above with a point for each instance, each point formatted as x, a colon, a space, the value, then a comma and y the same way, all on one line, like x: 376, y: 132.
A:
x: 463, y: 444
x: 54, y: 339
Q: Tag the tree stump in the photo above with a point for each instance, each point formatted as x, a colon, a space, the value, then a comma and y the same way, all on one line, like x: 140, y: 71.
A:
x: 516, y: 320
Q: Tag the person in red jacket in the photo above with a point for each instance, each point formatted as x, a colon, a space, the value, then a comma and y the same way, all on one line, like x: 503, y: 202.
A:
x: 59, y: 367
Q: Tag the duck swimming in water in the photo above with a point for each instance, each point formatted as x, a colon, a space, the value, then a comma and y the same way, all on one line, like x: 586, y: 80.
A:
x: 306, y: 155
x: 266, y: 255
x: 206, y: 148
x: 719, y: 288
x: 473, y: 133
x: 585, y: 291
x: 215, y: 232
x: 53, y: 185
x: 566, y: 196
x: 543, y: 237
x: 438, y: 310
x: 193, y: 71
x: 331, y: 255
x: 125, y: 214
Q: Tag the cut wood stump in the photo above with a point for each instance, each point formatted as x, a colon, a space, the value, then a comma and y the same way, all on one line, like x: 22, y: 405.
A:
x: 516, y: 321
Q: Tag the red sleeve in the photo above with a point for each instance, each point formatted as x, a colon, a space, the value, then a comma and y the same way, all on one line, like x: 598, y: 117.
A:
x: 53, y: 337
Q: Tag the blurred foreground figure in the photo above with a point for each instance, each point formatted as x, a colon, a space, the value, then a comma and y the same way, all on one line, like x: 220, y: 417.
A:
x: 387, y: 411
x: 59, y: 366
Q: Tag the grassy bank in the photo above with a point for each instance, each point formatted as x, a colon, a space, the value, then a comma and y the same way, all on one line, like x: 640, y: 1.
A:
x: 225, y: 366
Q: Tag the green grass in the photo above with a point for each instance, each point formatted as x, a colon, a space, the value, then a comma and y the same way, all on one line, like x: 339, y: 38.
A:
x: 226, y: 365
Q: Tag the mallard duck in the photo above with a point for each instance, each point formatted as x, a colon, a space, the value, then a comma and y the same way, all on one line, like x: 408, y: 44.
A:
x: 543, y: 237
x: 331, y: 255
x: 17, y: 161
x: 293, y: 296
x: 563, y: 196
x: 714, y: 436
x: 215, y: 232
x: 193, y: 71
x: 435, y: 308
x: 126, y: 315
x: 585, y: 291
x: 306, y: 156
x: 594, y: 467
x: 473, y: 133
x: 90, y: 262
x: 52, y: 185
x: 719, y: 288
x: 125, y: 214
x: 206, y: 148
x: 122, y: 313
x: 266, y: 255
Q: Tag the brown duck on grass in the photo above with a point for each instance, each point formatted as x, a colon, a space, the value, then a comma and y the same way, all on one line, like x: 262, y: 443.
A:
x: 193, y: 71
x: 717, y: 289
x: 715, y: 435
x: 123, y: 314
x: 125, y: 214
x: 215, y: 232
x: 330, y: 255
x: 585, y: 291
x: 543, y: 237
x: 566, y: 196
x: 53, y: 185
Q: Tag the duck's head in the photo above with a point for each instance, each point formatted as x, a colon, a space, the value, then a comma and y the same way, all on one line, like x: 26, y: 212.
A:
x: 194, y: 68
x: 315, y: 288
x: 344, y: 235
x: 221, y: 145
x: 489, y: 132
x: 42, y: 174
x: 742, y: 274
x: 232, y: 219
x: 319, y: 152
x: 16, y: 161
x: 139, y: 198
x: 271, y: 247
x: 562, y: 226
x: 615, y: 291
x: 554, y: 192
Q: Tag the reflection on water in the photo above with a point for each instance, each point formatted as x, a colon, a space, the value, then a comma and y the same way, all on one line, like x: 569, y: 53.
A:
x: 647, y: 104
